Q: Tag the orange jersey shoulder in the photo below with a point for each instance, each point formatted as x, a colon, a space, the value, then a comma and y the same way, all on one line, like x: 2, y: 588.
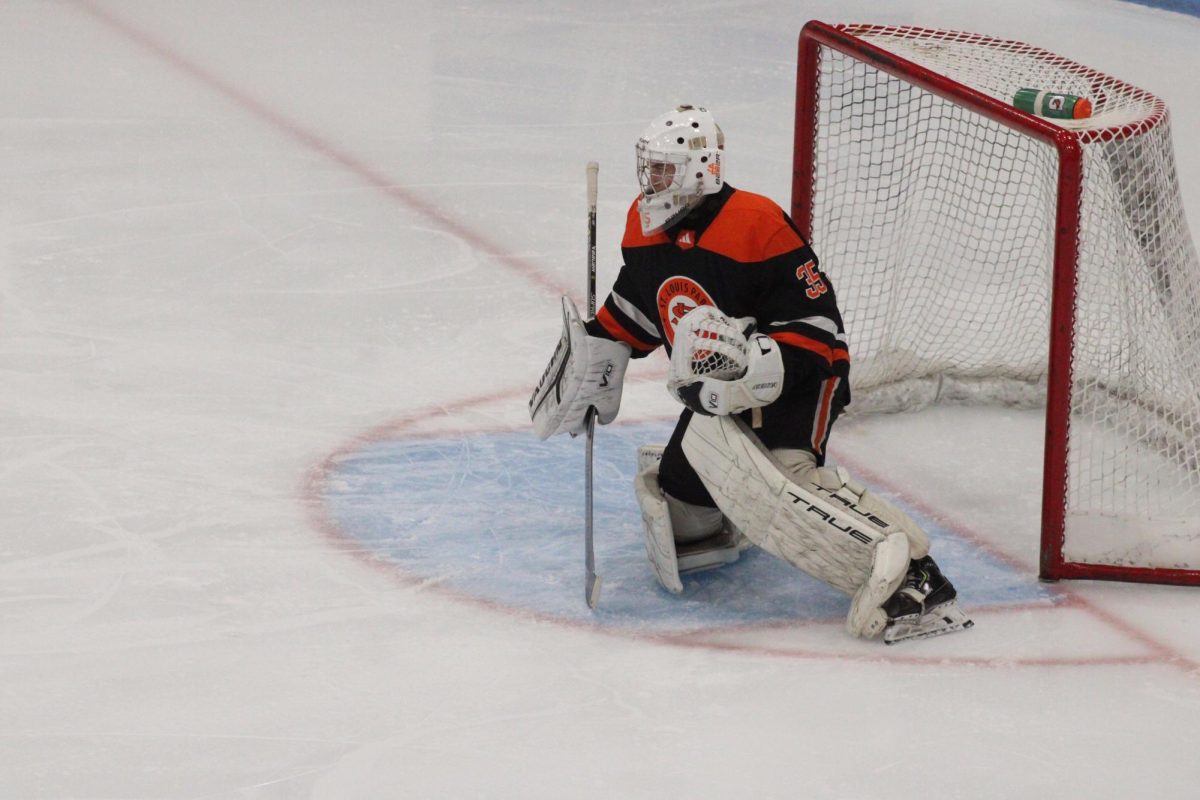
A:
x: 750, y: 228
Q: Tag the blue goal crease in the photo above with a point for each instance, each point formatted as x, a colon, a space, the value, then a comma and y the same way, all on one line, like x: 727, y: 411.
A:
x: 499, y: 516
x: 1191, y: 7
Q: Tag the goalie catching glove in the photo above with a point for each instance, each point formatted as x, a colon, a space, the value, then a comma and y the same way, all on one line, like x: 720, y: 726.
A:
x: 585, y: 372
x: 716, y: 370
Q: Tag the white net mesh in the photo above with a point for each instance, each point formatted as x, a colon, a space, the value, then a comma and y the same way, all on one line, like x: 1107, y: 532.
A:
x: 937, y: 225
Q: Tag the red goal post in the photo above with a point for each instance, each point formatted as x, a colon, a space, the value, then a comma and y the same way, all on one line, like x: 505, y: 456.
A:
x: 913, y: 168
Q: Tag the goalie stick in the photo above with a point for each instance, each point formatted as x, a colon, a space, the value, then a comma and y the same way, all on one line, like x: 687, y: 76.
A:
x: 591, y: 589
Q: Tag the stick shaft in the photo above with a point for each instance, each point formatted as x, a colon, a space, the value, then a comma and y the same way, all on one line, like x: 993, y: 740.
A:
x: 592, y: 581
x: 593, y: 170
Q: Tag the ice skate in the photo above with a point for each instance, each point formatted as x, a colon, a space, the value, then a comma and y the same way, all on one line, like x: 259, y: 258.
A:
x: 924, y: 606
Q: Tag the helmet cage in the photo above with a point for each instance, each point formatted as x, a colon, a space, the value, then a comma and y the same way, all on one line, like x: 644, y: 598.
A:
x: 660, y: 172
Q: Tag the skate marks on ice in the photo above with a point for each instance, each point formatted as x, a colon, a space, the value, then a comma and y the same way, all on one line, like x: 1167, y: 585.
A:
x: 495, y: 517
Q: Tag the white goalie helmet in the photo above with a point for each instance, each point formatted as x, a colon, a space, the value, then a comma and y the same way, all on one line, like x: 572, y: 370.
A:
x: 678, y: 163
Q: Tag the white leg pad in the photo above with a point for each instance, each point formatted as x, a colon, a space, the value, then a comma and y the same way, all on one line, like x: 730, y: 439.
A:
x: 656, y: 521
x: 867, y: 617
x: 649, y: 455
x: 680, y: 537
x: 832, y: 540
x: 837, y: 485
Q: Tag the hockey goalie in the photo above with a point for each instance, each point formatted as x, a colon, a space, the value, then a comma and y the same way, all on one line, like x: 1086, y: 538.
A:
x: 726, y: 283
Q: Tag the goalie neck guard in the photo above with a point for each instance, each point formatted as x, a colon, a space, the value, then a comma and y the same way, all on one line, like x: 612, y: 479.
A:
x: 678, y: 163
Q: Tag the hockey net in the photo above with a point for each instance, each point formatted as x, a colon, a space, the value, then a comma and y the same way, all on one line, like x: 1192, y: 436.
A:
x: 983, y: 254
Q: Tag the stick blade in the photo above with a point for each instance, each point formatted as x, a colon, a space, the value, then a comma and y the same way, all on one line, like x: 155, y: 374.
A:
x: 592, y: 590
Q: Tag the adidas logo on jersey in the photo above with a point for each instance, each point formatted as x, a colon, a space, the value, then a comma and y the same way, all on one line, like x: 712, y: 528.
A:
x: 686, y: 240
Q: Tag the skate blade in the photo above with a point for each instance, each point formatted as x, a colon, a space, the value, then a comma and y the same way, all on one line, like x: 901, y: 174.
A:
x: 946, y: 618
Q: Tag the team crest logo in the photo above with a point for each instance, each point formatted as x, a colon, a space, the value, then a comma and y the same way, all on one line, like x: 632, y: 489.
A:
x: 677, y: 296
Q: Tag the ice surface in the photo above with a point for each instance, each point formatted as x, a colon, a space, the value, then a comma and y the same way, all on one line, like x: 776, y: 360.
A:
x: 276, y: 279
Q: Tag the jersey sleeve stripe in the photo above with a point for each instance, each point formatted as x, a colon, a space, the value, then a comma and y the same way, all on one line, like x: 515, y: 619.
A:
x: 820, y: 428
x: 635, y: 314
x: 821, y: 349
x: 820, y: 322
x: 618, y: 331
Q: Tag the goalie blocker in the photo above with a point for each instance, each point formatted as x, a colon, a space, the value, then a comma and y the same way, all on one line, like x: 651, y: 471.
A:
x: 584, y: 372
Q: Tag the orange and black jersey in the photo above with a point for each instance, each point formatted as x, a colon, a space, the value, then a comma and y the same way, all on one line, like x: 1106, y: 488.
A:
x: 741, y: 253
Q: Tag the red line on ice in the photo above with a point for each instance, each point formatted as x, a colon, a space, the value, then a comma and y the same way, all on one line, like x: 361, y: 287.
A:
x: 1157, y: 653
x: 319, y: 144
x: 1163, y: 653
